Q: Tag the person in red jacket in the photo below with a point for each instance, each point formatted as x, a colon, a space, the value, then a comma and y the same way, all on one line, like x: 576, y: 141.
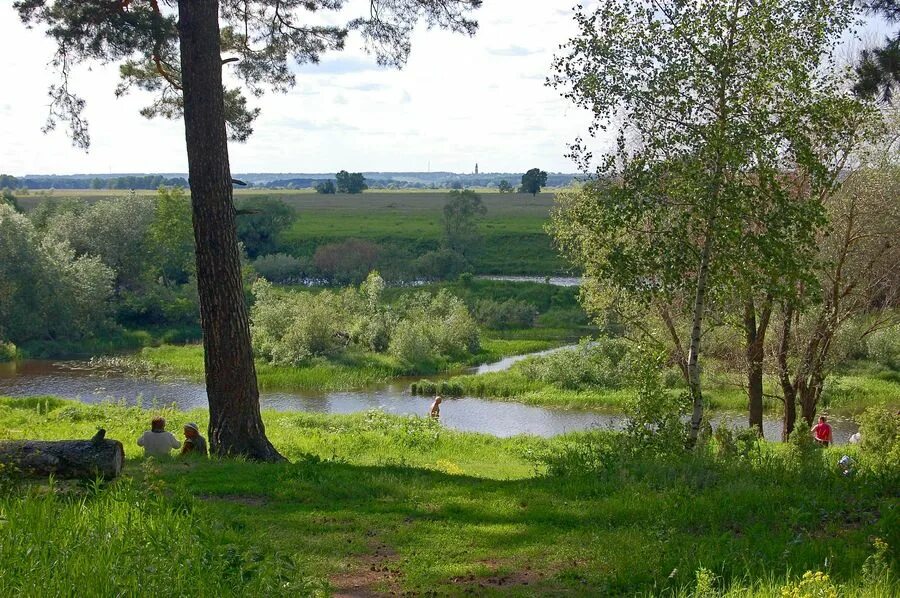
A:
x: 822, y: 432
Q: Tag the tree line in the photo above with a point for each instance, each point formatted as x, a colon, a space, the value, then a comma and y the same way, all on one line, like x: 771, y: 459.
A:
x: 149, y: 181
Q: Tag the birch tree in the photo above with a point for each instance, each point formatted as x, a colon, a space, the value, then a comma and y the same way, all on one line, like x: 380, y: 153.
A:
x: 711, y: 103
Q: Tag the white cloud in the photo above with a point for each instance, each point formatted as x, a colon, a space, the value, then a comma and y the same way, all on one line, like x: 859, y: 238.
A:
x: 458, y: 101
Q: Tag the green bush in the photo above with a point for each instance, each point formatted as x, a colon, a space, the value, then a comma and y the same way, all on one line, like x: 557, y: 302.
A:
x: 292, y: 328
x: 432, y: 327
x: 879, y: 430
x: 883, y: 347
x: 8, y: 352
x: 600, y: 363
x: 412, y: 343
x: 48, y: 290
x: 442, y: 264
x: 347, y: 262
x: 374, y: 323
x: 506, y: 314
x: 281, y: 268
x: 654, y: 414
x: 260, y: 220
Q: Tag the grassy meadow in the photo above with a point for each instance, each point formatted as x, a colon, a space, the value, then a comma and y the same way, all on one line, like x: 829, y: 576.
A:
x: 513, y: 229
x: 373, y: 504
x: 354, y: 370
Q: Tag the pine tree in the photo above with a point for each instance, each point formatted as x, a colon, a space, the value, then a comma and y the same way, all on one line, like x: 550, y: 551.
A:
x: 176, y: 49
x: 878, y: 69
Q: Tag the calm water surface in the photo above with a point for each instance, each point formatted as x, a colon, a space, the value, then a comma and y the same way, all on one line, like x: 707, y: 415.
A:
x: 559, y: 281
x: 79, y: 381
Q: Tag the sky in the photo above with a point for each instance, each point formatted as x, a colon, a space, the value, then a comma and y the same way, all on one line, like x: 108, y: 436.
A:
x: 458, y: 102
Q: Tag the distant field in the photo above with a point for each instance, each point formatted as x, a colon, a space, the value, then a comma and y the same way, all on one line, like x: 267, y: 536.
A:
x: 513, y: 230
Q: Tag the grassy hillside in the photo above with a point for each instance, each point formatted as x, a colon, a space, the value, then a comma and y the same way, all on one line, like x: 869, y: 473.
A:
x: 373, y: 504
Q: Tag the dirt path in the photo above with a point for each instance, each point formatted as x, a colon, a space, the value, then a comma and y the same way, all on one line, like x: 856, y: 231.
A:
x: 374, y: 574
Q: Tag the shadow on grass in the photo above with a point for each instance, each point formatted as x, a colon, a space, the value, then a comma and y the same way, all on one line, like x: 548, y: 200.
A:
x: 623, y: 533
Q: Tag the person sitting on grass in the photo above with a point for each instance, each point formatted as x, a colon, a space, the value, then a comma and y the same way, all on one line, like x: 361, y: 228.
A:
x: 822, y: 432
x: 156, y: 441
x: 436, y: 408
x: 194, y: 444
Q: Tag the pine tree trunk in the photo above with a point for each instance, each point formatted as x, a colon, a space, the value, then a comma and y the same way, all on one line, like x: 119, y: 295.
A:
x: 235, y: 425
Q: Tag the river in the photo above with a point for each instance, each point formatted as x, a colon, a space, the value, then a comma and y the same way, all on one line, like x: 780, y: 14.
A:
x: 78, y: 380
x: 559, y: 281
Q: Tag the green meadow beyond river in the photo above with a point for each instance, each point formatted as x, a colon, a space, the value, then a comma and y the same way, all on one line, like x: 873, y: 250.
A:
x: 88, y: 383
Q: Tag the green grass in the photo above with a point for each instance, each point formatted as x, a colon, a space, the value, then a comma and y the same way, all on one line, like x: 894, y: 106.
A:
x: 111, y: 342
x: 845, y: 394
x: 384, y: 504
x: 353, y: 370
x: 513, y: 230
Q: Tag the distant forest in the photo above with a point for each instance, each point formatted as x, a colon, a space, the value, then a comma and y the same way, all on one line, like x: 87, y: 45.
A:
x: 149, y: 181
x: 374, y: 180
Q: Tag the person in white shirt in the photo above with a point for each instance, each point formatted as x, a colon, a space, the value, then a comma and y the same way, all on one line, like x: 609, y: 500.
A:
x: 156, y: 441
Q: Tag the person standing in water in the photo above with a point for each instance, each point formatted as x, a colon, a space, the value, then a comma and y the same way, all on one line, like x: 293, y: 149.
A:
x: 436, y: 408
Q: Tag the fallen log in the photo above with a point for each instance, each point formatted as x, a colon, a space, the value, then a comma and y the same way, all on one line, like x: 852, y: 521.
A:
x: 79, y: 459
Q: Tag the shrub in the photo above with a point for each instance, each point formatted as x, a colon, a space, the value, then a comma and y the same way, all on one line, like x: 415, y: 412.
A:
x: 8, y: 352
x: 803, y: 453
x: 593, y: 364
x: 880, y: 442
x: 326, y: 188
x: 48, y: 291
x: 505, y: 315
x: 348, y: 262
x: 730, y: 443
x: 432, y: 327
x: 654, y: 414
x: 259, y: 222
x: 443, y: 264
x: 374, y: 323
x: 290, y: 328
x: 884, y: 347
x: 412, y: 343
x: 281, y: 268
x: 117, y: 231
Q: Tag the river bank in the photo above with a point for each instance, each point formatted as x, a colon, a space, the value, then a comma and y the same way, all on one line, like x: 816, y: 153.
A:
x: 96, y: 384
x: 373, y: 504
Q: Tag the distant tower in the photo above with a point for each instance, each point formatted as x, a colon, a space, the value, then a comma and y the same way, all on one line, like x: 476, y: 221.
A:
x: 476, y: 167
